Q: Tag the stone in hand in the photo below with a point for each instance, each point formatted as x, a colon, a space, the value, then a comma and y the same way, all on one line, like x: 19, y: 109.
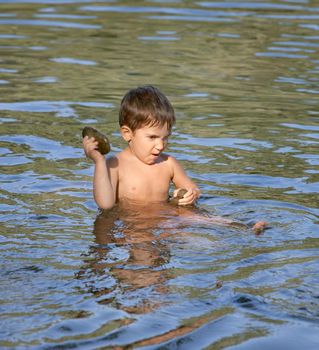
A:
x: 103, y: 142
x: 179, y: 195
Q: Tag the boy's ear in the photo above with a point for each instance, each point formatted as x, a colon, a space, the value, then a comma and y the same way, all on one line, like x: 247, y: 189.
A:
x: 126, y: 133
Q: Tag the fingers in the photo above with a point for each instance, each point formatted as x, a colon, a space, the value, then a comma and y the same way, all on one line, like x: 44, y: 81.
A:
x: 89, y: 144
x: 88, y: 140
x: 189, y: 197
x: 90, y: 148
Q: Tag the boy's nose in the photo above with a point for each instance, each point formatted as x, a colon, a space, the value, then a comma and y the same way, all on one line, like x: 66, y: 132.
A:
x: 160, y: 145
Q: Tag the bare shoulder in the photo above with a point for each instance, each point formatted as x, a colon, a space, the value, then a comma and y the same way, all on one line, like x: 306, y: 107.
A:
x: 173, y: 165
x: 112, y: 161
x: 180, y: 178
x: 166, y: 160
x: 172, y: 161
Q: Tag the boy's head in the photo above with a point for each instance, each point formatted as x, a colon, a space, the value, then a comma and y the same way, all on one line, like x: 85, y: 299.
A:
x: 146, y: 106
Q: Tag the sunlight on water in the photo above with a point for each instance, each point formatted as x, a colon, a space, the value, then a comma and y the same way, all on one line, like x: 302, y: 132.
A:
x: 243, y: 79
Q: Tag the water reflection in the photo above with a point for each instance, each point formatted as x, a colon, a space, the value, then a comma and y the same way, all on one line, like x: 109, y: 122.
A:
x: 126, y: 268
x: 130, y: 265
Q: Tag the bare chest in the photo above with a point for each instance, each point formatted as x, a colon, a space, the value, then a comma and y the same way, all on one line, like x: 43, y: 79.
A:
x: 147, y: 183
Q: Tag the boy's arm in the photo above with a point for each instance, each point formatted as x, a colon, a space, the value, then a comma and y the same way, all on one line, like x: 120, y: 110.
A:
x: 181, y: 180
x: 105, y: 183
x: 105, y: 175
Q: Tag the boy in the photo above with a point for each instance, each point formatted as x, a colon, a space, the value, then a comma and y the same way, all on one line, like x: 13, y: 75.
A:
x: 141, y: 172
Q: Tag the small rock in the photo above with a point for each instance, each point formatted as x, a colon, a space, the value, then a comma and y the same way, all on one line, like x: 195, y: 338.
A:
x: 103, y: 142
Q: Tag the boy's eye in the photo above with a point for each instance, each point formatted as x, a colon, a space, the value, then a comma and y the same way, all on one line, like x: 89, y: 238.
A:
x: 153, y: 137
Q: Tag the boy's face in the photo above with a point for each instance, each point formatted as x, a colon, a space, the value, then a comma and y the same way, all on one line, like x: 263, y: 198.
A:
x: 148, y: 142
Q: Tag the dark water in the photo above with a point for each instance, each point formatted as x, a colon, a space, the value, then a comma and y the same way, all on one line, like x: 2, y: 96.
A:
x: 244, y: 80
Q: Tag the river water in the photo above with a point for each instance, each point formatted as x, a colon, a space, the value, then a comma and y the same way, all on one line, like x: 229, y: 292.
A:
x: 244, y: 80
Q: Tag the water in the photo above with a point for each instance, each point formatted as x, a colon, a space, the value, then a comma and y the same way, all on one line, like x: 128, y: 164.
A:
x: 243, y: 78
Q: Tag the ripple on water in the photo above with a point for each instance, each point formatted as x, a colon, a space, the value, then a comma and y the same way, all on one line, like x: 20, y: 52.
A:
x: 63, y: 108
x: 43, y: 23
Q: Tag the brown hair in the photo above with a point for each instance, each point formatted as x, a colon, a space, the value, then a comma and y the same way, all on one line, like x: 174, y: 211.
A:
x: 146, y: 105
